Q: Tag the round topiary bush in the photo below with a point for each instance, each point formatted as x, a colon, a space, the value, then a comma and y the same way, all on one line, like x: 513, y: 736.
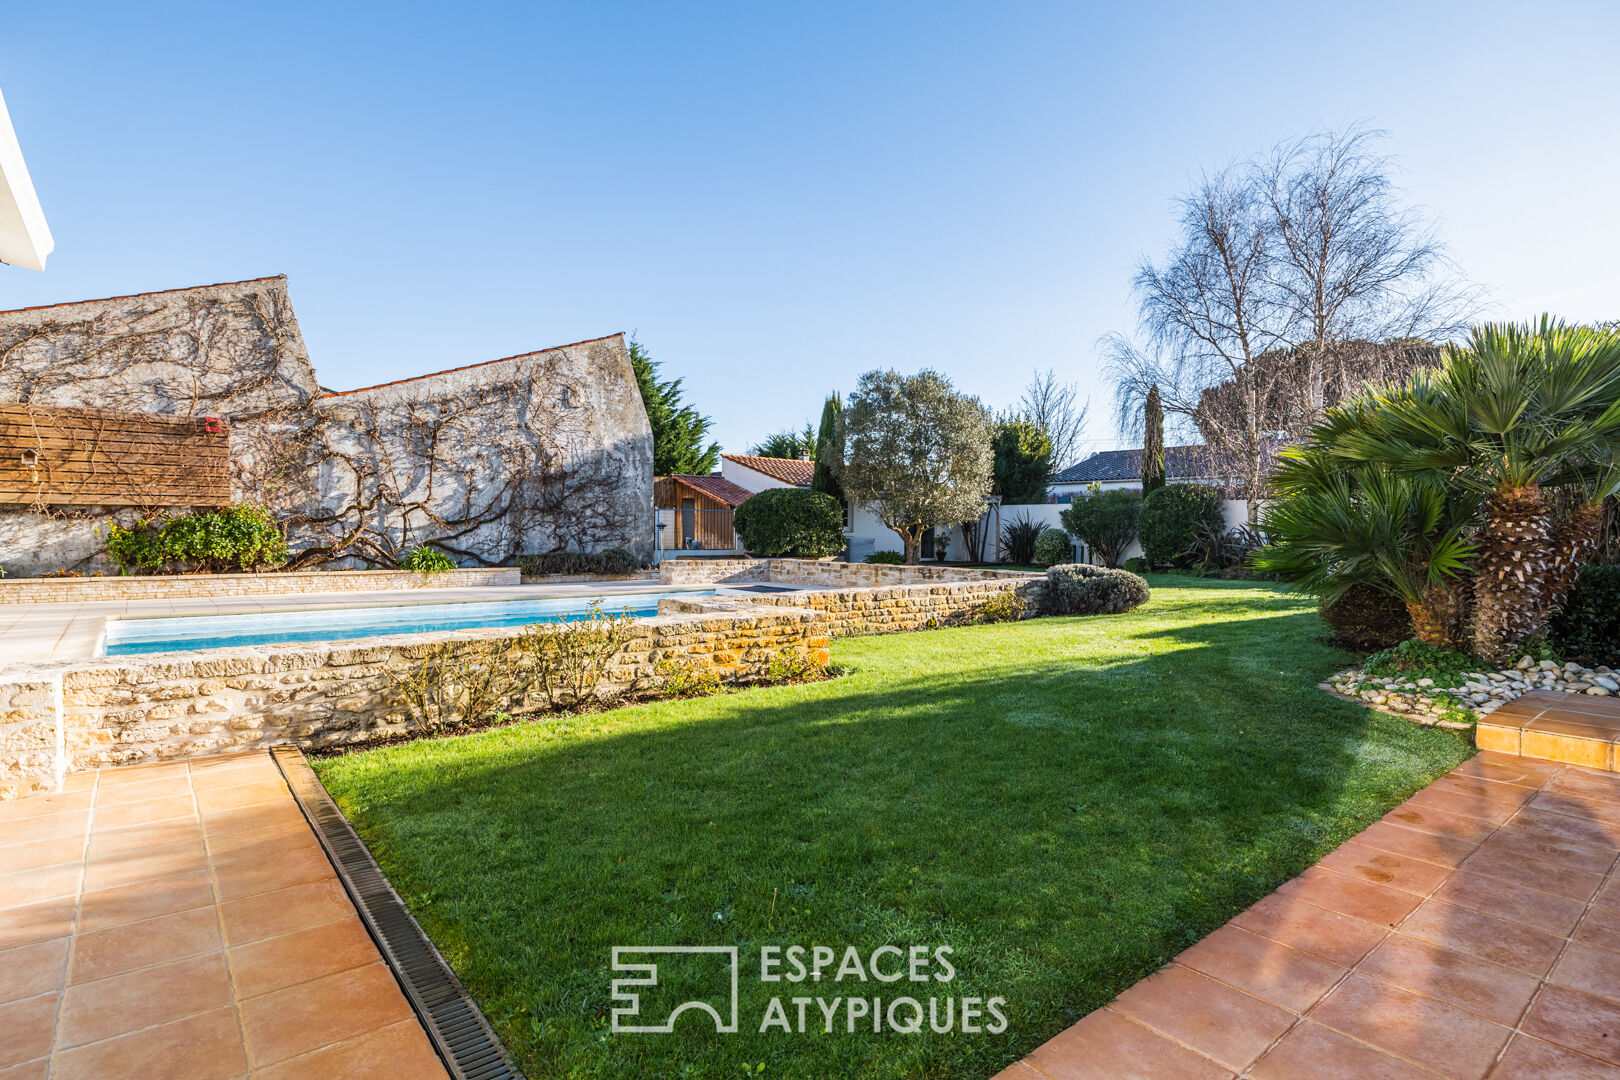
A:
x: 1052, y: 547
x: 1367, y: 618
x: 1078, y: 589
x: 791, y: 522
x: 1174, y: 516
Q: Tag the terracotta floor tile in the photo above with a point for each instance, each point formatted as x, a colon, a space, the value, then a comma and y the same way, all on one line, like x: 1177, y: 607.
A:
x: 399, y: 1052
x: 1536, y: 843
x: 223, y: 781
x: 311, y: 1015
x: 248, y: 877
x: 138, y: 999
x: 37, y: 853
x: 231, y: 798
x: 1208, y: 1016
x: 32, y: 806
x: 1545, y: 911
x: 132, y: 775
x: 1268, y: 969
x: 43, y: 883
x: 39, y: 1069
x: 1507, y: 769
x: 25, y: 1028
x: 1588, y: 783
x: 207, y: 1046
x: 1549, y: 876
x: 285, y: 910
x: 1596, y: 971
x: 1322, y: 933
x: 279, y: 962
x: 255, y: 816
x: 1589, y: 1025
x: 1487, y: 791
x: 106, y: 843
x: 109, y: 871
x: 1477, y: 986
x: 120, y: 794
x: 1312, y: 1052
x: 1386, y: 868
x: 33, y: 969
x: 1351, y: 896
x: 1575, y: 804
x: 1441, y: 849
x: 1436, y: 1036
x: 1601, y: 927
x: 291, y: 836
x: 1484, y: 936
x: 1580, y: 830
x: 1532, y: 1059
x: 135, y: 945
x: 1107, y: 1046
x: 36, y: 922
x: 143, y: 813
x: 144, y: 900
x: 1609, y: 895
x: 1439, y: 822
x: 1469, y: 806
x: 45, y: 827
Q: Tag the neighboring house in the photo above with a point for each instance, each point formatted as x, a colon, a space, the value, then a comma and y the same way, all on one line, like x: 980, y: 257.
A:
x: 693, y: 513
x: 25, y: 239
x: 763, y: 473
x: 539, y: 452
x: 1110, y: 469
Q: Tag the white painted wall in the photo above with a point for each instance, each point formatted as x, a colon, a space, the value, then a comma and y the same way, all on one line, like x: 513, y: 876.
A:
x: 748, y: 479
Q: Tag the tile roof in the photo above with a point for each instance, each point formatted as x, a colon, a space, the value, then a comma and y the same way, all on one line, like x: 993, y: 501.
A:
x: 716, y: 487
x: 788, y: 470
x: 1180, y: 463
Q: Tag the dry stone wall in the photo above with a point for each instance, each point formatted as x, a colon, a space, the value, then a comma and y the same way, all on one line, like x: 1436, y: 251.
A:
x: 526, y: 454
x: 92, y: 589
x: 32, y: 754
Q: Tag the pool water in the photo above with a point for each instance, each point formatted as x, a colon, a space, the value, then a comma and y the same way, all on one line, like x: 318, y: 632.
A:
x: 129, y: 636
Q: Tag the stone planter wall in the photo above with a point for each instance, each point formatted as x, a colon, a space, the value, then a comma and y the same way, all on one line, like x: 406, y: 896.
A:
x: 862, y: 611
x: 175, y: 586
x: 89, y: 714
x: 824, y: 572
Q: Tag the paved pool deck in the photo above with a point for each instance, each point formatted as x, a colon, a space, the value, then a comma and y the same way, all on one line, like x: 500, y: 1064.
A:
x: 72, y: 631
x: 181, y: 921
x: 1473, y: 934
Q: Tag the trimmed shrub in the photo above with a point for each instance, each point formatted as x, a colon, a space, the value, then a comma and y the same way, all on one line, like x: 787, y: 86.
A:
x: 1173, y: 519
x: 887, y: 558
x: 426, y: 560
x: 1019, y: 537
x: 1367, y: 618
x: 1105, y: 521
x: 1136, y: 565
x: 1078, y: 589
x: 1588, y: 630
x: 611, y: 561
x: 1053, y: 547
x: 234, y: 539
x: 1005, y: 606
x: 791, y: 522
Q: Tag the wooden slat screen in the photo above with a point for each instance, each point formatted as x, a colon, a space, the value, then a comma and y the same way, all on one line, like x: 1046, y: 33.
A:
x: 107, y: 457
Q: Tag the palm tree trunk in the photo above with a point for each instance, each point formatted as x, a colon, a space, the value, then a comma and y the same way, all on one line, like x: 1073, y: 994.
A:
x: 1574, y: 544
x: 1511, y: 570
x: 1437, y: 619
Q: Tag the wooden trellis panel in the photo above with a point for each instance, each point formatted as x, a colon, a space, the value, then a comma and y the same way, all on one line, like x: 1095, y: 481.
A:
x: 106, y: 457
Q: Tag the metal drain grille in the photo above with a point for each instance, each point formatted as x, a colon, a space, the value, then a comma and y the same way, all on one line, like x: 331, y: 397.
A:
x: 459, y: 1032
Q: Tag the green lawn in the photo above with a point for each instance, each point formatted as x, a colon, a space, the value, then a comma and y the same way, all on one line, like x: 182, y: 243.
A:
x: 1066, y: 803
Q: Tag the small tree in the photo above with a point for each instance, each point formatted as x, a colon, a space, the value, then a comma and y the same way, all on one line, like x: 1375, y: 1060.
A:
x: 1022, y: 462
x: 1105, y: 521
x: 1153, y: 477
x: 792, y: 522
x: 1174, y: 516
x: 825, y: 479
x: 788, y: 444
x: 915, y: 451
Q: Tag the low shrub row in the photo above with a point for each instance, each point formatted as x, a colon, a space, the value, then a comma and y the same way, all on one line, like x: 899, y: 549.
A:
x: 611, y: 561
x: 1079, y: 589
x: 233, y: 539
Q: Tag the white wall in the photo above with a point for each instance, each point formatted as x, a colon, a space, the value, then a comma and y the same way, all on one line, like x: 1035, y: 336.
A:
x: 748, y: 479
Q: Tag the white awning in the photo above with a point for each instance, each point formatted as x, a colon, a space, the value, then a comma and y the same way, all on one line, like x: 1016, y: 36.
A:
x: 25, y: 239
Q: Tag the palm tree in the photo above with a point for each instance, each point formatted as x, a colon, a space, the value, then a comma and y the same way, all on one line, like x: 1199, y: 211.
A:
x: 1336, y: 524
x: 1520, y: 409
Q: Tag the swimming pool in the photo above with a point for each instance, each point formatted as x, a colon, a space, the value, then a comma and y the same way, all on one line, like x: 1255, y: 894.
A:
x: 129, y: 636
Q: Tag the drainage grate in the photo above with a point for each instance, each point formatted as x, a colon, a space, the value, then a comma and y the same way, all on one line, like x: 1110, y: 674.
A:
x: 459, y: 1032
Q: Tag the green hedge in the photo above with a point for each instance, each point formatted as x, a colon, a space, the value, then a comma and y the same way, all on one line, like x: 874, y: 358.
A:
x: 1174, y: 516
x: 1588, y: 630
x: 234, y: 539
x: 611, y: 561
x: 790, y: 523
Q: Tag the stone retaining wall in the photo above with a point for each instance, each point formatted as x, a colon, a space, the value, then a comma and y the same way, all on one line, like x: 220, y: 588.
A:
x: 89, y: 714
x: 825, y: 572
x: 176, y: 586
x: 862, y: 611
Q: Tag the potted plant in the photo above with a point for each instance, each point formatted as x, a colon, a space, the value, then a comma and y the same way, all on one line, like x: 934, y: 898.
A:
x: 941, y: 545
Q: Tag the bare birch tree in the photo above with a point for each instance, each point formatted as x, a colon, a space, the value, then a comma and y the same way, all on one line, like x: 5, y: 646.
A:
x: 1055, y: 408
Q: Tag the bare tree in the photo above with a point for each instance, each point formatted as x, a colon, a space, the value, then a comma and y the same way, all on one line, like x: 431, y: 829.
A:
x: 1055, y: 408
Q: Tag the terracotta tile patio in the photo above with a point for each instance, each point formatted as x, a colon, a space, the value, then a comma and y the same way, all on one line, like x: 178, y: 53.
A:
x: 1472, y: 933
x: 181, y: 921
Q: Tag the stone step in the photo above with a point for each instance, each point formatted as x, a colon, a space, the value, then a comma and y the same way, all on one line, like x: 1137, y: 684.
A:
x: 1552, y: 726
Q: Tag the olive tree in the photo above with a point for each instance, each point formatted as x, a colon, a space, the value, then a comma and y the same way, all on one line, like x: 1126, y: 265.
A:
x: 914, y: 451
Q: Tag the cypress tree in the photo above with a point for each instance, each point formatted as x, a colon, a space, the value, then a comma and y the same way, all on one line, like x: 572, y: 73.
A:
x: 825, y: 479
x: 1153, y: 477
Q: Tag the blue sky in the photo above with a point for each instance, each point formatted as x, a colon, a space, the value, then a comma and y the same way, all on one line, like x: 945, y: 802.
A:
x: 775, y: 198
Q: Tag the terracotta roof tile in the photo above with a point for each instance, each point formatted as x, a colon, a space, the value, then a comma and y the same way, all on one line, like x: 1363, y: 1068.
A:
x: 716, y: 487
x: 788, y: 470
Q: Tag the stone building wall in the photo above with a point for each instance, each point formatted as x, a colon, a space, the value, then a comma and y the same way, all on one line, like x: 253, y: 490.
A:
x: 529, y: 453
